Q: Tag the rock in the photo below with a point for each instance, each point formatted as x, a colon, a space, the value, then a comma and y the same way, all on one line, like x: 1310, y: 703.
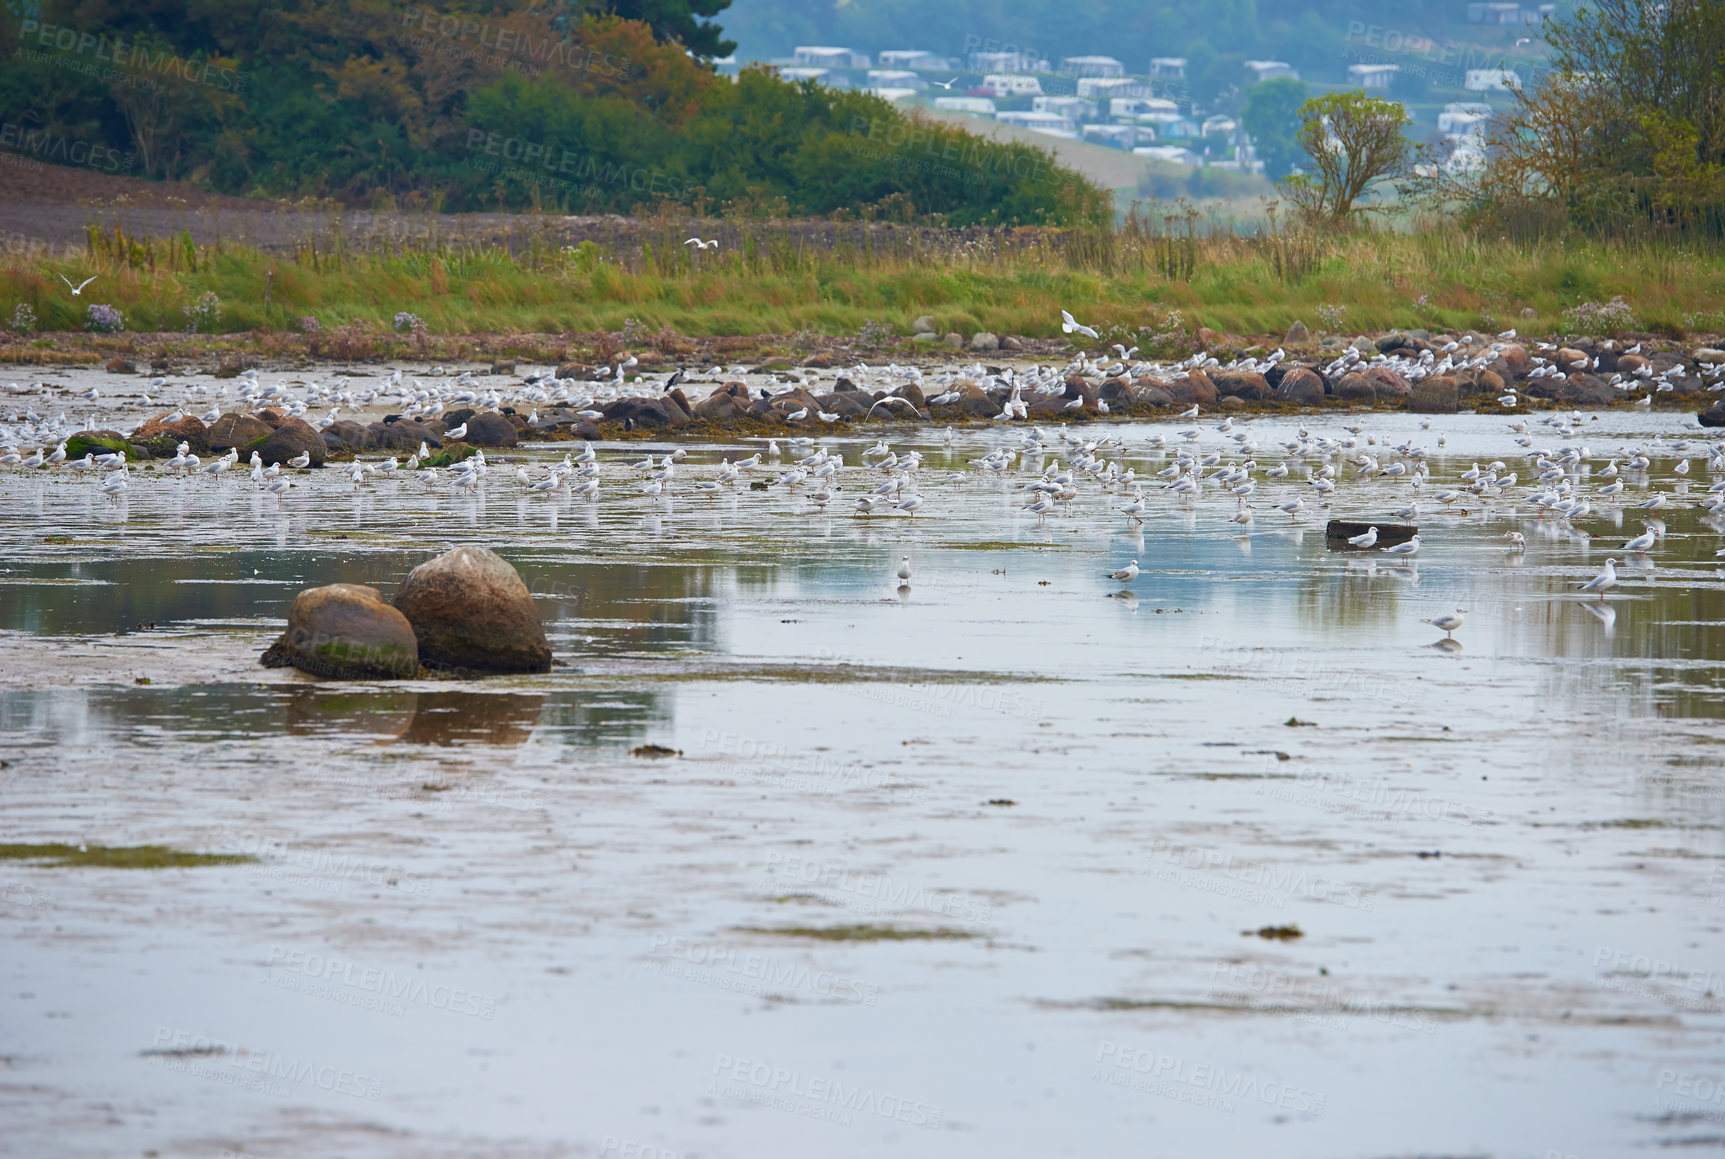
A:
x: 471, y: 611
x: 269, y: 418
x: 846, y: 404
x: 97, y: 443
x: 720, y: 407
x: 973, y: 400
x: 450, y: 455
x: 1515, y: 359
x: 1709, y: 354
x: 1240, y: 384
x: 1194, y: 387
x: 1585, y: 390
x: 574, y: 370
x: 190, y: 429
x: 1567, y: 356
x: 586, y: 430
x: 494, y: 430
x: 1713, y: 416
x: 1390, y: 386
x: 1488, y: 381
x: 1356, y: 387
x: 454, y: 418
x: 956, y: 341
x: 290, y: 440
x: 121, y: 365
x: 983, y: 341
x: 641, y: 412
x: 1529, y: 314
x: 229, y: 368
x: 1363, y: 345
x: 344, y: 435
x: 1011, y: 342
x: 1628, y: 364
x: 923, y: 325
x: 236, y: 430
x: 503, y: 366
x: 347, y: 632
x: 1438, y: 395
x: 1302, y: 386
x: 1297, y: 335
x: 925, y: 337
x: 1115, y: 390
x: 400, y: 435
x: 676, y: 395
x: 911, y: 393
x: 1207, y: 338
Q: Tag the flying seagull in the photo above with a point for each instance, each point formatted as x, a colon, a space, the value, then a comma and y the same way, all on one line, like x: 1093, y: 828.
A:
x: 79, y: 289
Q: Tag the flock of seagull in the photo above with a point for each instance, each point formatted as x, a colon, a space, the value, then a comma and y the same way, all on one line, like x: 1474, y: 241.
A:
x: 1186, y: 465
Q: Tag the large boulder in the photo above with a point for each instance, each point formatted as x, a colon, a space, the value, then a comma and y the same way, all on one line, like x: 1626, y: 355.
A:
x: 1241, y: 384
x: 721, y: 406
x: 1438, y: 395
x: 972, y: 400
x: 98, y: 443
x: 163, y: 437
x: 493, y: 430
x: 472, y: 612
x: 1585, y: 390
x: 344, y: 435
x: 1515, y: 360
x: 1389, y: 386
x: 1194, y: 387
x: 347, y: 632
x: 1301, y: 386
x: 290, y: 440
x: 1713, y: 416
x: 635, y: 411
x: 236, y: 430
x: 1355, y: 387
x: 846, y: 404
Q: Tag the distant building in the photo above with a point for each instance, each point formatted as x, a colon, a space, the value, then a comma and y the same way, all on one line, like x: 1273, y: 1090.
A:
x: 1142, y: 107
x: 1494, y: 13
x: 824, y: 76
x: 912, y: 58
x: 1003, y: 85
x: 1007, y: 62
x: 1103, y: 88
x: 1092, y: 66
x: 894, y: 78
x: 1373, y: 76
x: 1484, y: 80
x: 1263, y: 70
x: 1118, y: 136
x: 817, y: 56
x: 1041, y: 122
x: 1167, y: 68
x: 1074, y: 108
x: 1173, y: 153
x: 1459, y: 116
x: 888, y: 93
x: 964, y: 105
x: 1220, y: 126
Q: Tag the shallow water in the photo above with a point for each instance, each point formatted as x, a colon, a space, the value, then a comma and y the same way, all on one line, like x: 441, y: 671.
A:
x: 480, y: 925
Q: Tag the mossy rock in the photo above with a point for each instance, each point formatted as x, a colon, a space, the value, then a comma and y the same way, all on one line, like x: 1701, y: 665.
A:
x: 453, y: 453
x: 99, y: 443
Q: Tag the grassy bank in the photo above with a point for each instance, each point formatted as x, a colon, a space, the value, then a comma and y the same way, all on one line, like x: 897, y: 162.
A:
x: 1153, y: 283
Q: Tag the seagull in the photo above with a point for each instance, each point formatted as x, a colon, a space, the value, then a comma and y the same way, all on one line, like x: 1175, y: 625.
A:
x: 1516, y: 539
x: 457, y: 432
x: 1605, y: 579
x: 1448, y: 622
x: 904, y: 570
x: 1365, y: 541
x: 1071, y: 325
x: 1408, y: 548
x: 301, y: 460
x: 945, y: 84
x: 79, y: 289
x: 710, y: 243
x: 1642, y: 542
x: 1126, y: 574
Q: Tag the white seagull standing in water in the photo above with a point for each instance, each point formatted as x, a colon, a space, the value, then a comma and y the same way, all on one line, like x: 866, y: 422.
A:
x: 1448, y: 622
x: 904, y: 570
x: 1126, y: 574
x: 1605, y: 579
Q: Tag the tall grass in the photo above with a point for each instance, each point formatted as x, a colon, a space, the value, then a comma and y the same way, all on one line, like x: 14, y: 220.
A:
x: 1165, y: 266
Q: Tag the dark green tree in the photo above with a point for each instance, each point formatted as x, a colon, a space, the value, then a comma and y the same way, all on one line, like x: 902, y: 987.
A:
x: 677, y: 20
x: 1271, y: 115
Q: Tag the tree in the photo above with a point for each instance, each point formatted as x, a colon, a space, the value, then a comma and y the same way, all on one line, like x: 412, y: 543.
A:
x: 1354, y: 141
x: 676, y: 20
x: 1272, y: 118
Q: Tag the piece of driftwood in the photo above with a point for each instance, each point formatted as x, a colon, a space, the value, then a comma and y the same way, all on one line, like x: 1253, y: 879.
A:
x: 1338, y: 531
